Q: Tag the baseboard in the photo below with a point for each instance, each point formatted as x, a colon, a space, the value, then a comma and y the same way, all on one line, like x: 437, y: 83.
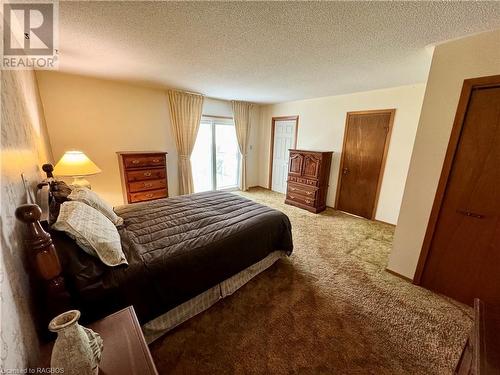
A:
x: 361, y: 217
x: 399, y: 275
x: 258, y: 186
x: 385, y: 222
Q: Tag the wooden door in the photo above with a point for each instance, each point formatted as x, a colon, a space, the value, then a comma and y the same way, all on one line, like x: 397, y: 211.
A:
x: 283, y: 138
x: 366, y: 142
x: 463, y: 254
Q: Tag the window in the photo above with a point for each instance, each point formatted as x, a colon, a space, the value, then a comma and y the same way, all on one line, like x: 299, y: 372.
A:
x: 215, y: 159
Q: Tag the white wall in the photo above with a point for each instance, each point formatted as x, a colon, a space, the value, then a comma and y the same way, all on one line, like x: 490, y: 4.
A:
x: 25, y: 147
x: 101, y: 117
x: 321, y: 127
x: 216, y: 107
x: 452, y: 62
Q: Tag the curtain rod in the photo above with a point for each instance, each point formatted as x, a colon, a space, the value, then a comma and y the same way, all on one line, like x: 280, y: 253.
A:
x: 186, y: 92
x: 214, y: 116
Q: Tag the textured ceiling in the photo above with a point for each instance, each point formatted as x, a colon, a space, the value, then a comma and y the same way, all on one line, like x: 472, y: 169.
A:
x: 264, y: 51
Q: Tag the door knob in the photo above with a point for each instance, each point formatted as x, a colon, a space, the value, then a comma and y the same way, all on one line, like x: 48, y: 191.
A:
x: 345, y: 171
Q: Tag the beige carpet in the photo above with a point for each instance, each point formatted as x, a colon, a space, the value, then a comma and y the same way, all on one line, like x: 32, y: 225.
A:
x: 328, y: 309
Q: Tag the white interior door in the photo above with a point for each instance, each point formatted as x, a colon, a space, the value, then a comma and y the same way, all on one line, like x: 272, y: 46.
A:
x: 284, y: 139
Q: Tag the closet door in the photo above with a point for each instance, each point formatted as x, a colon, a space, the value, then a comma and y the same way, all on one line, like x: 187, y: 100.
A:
x: 463, y: 254
x: 283, y: 138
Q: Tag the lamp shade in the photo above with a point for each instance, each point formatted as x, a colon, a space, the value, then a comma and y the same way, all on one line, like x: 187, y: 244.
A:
x: 75, y: 163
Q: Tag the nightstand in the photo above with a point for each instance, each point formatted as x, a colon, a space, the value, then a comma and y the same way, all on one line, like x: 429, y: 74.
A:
x: 125, y: 349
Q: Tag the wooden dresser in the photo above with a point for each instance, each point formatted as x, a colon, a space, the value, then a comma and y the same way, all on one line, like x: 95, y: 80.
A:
x: 308, y: 176
x: 144, y: 175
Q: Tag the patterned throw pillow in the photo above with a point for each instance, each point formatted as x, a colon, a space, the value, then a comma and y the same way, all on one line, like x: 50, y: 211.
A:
x: 87, y: 196
x: 92, y: 231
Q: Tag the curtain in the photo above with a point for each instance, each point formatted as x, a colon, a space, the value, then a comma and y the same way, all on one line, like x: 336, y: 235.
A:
x: 241, y: 114
x: 185, y: 115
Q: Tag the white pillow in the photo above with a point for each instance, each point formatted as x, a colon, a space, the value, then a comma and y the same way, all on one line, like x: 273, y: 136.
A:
x: 92, y: 231
x: 87, y: 196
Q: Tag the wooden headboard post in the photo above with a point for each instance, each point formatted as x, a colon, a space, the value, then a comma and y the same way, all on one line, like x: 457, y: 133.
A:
x: 44, y: 259
x: 48, y: 169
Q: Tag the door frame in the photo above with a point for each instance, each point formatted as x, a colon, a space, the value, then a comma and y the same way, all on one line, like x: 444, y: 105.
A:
x: 392, y: 112
x: 456, y: 131
x: 271, y: 153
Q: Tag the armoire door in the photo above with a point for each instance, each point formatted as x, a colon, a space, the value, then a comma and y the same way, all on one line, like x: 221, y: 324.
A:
x: 295, y: 165
x: 462, y: 259
x: 366, y: 142
x: 311, y: 167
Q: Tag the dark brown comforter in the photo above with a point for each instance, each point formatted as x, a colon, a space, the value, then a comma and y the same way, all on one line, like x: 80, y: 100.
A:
x: 179, y: 247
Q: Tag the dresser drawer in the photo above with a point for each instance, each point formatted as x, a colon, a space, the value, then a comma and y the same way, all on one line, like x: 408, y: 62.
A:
x: 301, y: 199
x: 302, y: 180
x: 134, y: 187
x: 139, y: 161
x: 304, y: 190
x: 147, y: 195
x: 146, y: 174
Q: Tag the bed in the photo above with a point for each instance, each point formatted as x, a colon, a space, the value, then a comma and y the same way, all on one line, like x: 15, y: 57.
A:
x: 184, y: 254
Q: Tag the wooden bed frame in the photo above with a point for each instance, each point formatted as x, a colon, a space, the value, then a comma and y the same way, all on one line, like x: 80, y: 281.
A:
x: 45, y: 264
x: 51, y: 294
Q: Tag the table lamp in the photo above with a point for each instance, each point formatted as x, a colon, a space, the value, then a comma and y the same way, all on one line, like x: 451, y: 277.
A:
x: 77, y: 165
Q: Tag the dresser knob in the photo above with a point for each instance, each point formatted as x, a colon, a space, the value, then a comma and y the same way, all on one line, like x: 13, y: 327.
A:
x: 135, y: 161
x: 308, y: 193
x: 156, y: 160
x: 307, y: 201
x: 149, y: 195
x: 147, y: 174
x: 147, y: 185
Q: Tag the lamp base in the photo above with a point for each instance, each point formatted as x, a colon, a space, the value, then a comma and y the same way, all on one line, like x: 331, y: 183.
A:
x: 79, y: 182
